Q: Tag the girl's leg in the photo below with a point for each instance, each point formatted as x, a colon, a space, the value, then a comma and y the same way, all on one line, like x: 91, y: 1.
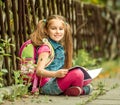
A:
x: 73, y: 83
x: 73, y: 78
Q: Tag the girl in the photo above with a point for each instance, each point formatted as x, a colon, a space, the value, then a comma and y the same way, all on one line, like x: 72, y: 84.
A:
x: 56, y: 78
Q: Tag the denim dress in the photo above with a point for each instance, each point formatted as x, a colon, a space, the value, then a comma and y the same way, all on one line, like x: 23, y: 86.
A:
x: 51, y: 87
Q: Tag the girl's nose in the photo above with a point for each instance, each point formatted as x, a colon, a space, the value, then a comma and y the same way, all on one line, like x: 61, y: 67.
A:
x: 57, y: 30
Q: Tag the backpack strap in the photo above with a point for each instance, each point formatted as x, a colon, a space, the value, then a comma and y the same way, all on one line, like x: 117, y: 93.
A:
x: 27, y: 51
x: 52, y: 53
x: 49, y: 60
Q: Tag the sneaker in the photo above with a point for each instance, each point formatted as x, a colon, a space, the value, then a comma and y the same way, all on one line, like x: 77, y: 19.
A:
x: 87, y: 89
x: 73, y: 91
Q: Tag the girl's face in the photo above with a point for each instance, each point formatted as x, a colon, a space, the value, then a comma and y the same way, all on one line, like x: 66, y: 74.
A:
x: 56, y: 29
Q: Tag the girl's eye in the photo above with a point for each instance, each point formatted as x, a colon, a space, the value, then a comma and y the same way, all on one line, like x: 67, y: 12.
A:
x: 61, y: 28
x: 53, y: 28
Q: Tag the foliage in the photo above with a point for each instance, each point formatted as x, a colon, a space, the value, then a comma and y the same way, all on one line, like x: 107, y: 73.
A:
x: 84, y: 59
x: 98, y: 2
x: 18, y: 89
x: 5, y: 44
x: 0, y: 3
x: 2, y: 72
x: 28, y: 67
x: 19, y: 79
x: 110, y: 68
x: 111, y: 64
x: 110, y: 4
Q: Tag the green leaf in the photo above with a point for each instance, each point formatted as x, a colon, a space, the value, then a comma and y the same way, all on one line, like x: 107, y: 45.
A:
x: 4, y: 70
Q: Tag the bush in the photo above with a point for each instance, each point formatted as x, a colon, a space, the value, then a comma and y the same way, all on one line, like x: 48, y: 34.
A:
x: 84, y: 59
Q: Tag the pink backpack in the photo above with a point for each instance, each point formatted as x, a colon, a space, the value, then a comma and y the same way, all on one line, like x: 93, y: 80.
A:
x: 28, y: 54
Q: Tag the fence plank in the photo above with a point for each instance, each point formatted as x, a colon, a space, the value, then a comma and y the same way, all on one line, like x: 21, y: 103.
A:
x: 27, y: 17
x: 39, y: 9
x: 33, y: 12
x: 14, y: 9
x: 7, y: 60
x: 20, y: 21
x: 2, y: 23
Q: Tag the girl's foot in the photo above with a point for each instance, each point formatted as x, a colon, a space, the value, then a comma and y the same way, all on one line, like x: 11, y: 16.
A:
x: 73, y: 91
x: 87, y: 89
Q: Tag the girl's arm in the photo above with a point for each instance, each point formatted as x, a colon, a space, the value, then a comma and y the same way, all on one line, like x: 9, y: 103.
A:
x: 40, y: 70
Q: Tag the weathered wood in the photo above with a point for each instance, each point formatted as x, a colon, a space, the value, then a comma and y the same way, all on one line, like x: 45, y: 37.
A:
x: 20, y: 21
x: 39, y: 9
x: 2, y: 23
x: 44, y: 8
x: 53, y: 6
x: 33, y: 12
x: 6, y: 50
x: 14, y: 9
x: 24, y: 21
x: 27, y: 17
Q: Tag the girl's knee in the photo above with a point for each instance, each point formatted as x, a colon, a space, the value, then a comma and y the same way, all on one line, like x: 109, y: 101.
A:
x: 77, y: 73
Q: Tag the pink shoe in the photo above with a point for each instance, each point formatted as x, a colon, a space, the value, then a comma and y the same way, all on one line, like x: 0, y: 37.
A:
x: 73, y: 91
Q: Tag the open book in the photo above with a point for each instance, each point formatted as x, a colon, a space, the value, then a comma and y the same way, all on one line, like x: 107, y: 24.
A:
x: 88, y: 73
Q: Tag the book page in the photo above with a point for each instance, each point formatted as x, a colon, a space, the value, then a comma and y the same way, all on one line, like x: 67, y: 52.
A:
x: 94, y: 73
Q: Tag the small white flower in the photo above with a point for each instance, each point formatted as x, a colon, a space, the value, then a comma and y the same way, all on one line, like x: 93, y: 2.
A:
x: 23, y: 68
x: 31, y: 70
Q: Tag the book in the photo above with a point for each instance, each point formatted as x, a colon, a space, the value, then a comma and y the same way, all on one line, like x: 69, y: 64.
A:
x: 88, y: 74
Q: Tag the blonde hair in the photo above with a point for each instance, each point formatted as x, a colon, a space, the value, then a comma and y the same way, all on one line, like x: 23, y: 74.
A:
x: 40, y: 33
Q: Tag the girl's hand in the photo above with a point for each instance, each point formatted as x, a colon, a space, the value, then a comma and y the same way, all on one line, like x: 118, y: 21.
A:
x: 61, y: 73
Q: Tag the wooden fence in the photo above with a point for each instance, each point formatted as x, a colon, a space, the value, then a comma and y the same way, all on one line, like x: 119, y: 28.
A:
x: 94, y: 28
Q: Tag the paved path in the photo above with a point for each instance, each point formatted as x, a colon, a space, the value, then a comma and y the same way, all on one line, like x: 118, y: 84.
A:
x: 112, y: 97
